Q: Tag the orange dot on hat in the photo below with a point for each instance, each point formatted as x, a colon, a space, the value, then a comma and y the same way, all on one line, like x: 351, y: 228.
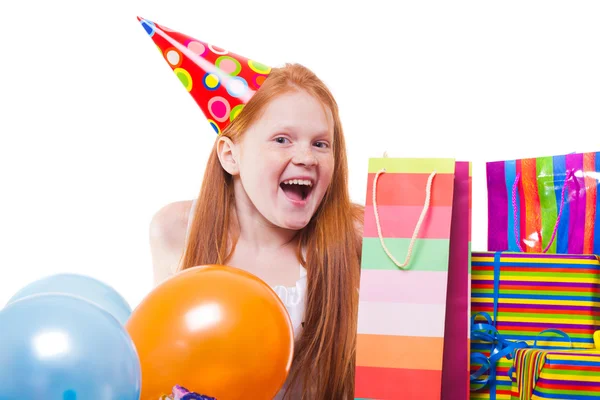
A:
x: 184, y: 77
x: 259, y: 80
x: 173, y: 57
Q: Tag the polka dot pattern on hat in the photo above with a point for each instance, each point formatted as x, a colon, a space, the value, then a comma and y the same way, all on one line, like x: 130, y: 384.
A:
x: 221, y: 82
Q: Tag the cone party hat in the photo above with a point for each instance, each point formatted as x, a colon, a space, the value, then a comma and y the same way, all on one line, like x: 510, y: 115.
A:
x: 221, y: 82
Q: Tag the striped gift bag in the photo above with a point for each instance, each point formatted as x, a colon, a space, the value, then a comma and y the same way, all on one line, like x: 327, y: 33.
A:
x: 526, y: 293
x: 545, y: 204
x: 408, y: 327
x: 567, y: 375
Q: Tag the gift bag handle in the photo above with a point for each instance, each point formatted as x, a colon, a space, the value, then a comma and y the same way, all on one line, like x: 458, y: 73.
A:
x: 569, y: 175
x: 417, y: 227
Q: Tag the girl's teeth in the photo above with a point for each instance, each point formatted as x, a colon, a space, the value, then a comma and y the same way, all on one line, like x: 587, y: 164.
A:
x: 298, y: 182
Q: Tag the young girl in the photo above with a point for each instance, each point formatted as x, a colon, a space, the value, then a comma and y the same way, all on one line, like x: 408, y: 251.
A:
x: 274, y: 201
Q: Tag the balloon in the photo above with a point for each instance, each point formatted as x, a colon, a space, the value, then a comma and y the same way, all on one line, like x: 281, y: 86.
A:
x: 83, y: 286
x: 62, y: 347
x: 215, y: 330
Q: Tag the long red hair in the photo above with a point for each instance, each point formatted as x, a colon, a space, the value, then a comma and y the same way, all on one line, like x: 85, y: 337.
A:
x: 325, y: 352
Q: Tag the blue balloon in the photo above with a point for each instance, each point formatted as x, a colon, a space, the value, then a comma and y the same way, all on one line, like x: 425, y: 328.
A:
x: 62, y: 347
x: 83, y: 286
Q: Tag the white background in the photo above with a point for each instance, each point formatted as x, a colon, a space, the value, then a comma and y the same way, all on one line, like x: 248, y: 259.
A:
x: 97, y: 133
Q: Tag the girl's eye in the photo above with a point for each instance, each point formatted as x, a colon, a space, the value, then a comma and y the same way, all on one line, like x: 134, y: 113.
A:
x: 281, y: 140
x: 321, y: 145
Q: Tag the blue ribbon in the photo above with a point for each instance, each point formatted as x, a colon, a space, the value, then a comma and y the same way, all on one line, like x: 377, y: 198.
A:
x: 500, y: 347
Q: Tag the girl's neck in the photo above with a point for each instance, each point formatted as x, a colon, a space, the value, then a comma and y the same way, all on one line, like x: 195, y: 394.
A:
x: 257, y: 232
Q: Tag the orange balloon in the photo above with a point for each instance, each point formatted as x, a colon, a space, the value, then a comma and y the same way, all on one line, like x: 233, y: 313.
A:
x: 216, y: 330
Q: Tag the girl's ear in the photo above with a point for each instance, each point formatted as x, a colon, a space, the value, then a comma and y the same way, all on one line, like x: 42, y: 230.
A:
x: 227, y: 153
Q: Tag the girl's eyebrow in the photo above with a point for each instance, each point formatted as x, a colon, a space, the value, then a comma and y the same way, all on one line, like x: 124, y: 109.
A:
x: 284, y: 126
x: 279, y: 126
x: 293, y: 128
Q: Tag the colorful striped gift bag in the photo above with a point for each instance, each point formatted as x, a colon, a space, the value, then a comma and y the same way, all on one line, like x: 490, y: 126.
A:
x: 413, y: 303
x: 545, y: 204
x: 524, y: 294
x: 550, y: 374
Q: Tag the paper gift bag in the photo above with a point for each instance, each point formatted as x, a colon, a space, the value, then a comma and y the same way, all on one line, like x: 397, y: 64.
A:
x: 524, y: 294
x: 545, y: 204
x: 416, y: 209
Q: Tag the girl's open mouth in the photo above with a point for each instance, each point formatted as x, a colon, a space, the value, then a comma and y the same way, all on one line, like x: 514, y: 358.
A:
x: 297, y: 190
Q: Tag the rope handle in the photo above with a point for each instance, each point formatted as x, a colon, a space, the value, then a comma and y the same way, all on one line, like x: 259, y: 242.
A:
x: 417, y: 227
x: 569, y: 175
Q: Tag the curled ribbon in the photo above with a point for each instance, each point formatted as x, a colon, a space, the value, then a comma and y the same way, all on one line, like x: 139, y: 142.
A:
x: 500, y: 347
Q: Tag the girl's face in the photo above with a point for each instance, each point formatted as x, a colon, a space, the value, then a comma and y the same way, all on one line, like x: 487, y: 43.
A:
x: 285, y: 160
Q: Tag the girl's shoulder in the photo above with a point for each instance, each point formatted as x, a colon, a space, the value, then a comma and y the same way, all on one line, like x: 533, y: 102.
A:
x: 168, y: 230
x: 169, y: 223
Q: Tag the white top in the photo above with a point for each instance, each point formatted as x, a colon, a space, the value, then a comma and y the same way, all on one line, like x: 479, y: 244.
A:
x: 293, y: 297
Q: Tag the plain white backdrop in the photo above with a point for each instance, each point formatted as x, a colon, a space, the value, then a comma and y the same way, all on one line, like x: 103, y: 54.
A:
x: 97, y: 133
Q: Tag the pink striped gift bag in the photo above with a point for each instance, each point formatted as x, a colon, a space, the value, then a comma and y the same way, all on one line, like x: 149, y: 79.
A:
x: 413, y: 315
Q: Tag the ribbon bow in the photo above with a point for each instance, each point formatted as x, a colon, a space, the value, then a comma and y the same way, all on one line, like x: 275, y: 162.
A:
x: 500, y: 347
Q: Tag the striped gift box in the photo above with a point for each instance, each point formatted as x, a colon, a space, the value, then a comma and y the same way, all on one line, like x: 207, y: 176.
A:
x: 526, y: 293
x: 567, y: 375
x: 402, y: 312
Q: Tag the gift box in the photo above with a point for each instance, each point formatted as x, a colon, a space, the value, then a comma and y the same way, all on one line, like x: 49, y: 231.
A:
x: 520, y: 295
x: 547, y: 374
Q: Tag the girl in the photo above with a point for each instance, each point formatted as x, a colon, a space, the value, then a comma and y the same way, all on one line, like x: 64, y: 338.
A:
x: 274, y: 201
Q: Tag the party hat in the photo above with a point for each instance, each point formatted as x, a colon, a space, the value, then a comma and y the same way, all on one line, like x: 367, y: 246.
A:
x: 221, y: 82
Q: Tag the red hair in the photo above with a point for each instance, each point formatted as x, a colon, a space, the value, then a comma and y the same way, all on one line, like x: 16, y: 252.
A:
x: 325, y: 352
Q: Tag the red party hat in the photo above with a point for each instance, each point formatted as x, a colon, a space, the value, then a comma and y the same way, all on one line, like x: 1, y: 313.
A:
x: 220, y: 82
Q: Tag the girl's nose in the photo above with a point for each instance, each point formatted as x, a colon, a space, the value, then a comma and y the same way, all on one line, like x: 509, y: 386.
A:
x: 304, y: 156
